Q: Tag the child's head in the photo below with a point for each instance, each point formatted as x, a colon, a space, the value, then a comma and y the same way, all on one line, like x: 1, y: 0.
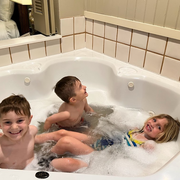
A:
x: 16, y: 103
x: 15, y: 117
x: 170, y: 129
x: 65, y: 88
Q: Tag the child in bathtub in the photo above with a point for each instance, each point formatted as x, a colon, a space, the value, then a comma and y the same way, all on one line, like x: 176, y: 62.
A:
x: 18, y: 137
x: 157, y: 129
x: 74, y: 94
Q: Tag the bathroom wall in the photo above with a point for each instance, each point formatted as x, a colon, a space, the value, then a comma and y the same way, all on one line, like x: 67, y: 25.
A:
x: 155, y: 53
x: 144, y: 33
x: 164, y: 13
x: 66, y: 9
x: 151, y: 51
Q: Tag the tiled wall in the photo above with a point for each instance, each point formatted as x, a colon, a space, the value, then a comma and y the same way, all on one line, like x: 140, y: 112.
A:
x: 12, y: 52
x: 158, y: 54
x: 73, y: 33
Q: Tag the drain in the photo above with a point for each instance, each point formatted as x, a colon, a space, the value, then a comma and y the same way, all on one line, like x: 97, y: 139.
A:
x: 42, y: 175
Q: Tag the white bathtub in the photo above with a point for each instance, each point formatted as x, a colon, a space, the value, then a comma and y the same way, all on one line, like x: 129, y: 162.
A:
x: 108, y: 81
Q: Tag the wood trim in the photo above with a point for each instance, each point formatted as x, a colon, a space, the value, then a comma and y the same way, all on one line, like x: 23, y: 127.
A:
x: 149, y: 28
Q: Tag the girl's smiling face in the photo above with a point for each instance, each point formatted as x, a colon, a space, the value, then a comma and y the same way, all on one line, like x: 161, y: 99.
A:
x: 153, y: 127
x: 14, y: 126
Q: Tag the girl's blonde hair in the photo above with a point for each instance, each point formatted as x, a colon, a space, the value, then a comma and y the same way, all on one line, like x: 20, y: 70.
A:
x: 171, y: 129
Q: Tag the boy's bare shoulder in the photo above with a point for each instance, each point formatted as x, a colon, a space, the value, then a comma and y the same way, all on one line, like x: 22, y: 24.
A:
x: 33, y: 130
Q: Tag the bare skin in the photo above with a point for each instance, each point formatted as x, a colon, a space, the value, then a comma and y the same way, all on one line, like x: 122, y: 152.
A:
x: 78, y: 143
x: 17, y: 140
x: 17, y: 144
x: 70, y: 114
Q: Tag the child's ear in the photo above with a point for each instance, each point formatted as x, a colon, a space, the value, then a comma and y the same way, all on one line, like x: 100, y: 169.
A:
x: 30, y: 118
x: 72, y: 100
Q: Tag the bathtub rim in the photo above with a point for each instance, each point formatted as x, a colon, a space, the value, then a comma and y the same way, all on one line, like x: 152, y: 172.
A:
x: 160, y: 174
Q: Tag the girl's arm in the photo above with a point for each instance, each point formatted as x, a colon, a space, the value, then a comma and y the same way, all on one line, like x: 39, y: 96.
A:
x: 149, y: 145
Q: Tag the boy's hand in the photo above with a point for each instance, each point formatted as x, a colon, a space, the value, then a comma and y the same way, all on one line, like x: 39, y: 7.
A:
x: 47, y: 125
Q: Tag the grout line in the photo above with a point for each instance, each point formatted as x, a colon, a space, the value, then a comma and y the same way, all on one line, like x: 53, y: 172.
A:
x: 29, y: 51
x: 146, y: 50
x: 10, y: 55
x: 45, y: 48
x: 92, y: 34
x: 163, y: 56
x: 130, y: 45
x: 104, y: 38
x: 60, y: 45
x: 85, y: 31
x: 116, y: 42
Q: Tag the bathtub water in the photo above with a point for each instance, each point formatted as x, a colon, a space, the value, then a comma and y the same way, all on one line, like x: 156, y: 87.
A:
x: 132, y: 92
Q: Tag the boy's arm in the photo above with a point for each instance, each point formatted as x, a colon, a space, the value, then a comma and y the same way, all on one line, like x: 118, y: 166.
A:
x: 87, y: 108
x: 61, y: 116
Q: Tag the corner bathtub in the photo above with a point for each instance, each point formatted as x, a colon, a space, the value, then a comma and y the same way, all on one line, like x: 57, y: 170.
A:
x: 108, y: 81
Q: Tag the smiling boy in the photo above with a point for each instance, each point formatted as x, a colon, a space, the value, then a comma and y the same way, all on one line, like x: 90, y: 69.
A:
x: 18, y: 138
x: 17, y: 141
x: 74, y: 94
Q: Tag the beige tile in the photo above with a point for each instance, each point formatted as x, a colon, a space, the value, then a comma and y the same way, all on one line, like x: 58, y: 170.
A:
x: 98, y: 44
x: 99, y: 28
x: 109, y: 48
x: 37, y: 50
x: 19, y: 53
x: 139, y: 39
x: 89, y: 41
x: 67, y: 44
x: 153, y: 62
x: 66, y: 26
x: 80, y: 41
x: 136, y: 57
x: 79, y: 24
x: 173, y: 48
x: 5, y: 57
x: 122, y: 52
x: 171, y: 68
x: 111, y: 31
x: 124, y: 35
x: 53, y: 47
x: 157, y: 43
x: 89, y: 26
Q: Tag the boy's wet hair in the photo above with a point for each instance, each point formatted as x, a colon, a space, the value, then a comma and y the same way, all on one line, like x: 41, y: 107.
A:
x: 64, y: 88
x: 16, y: 103
x: 171, y: 129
